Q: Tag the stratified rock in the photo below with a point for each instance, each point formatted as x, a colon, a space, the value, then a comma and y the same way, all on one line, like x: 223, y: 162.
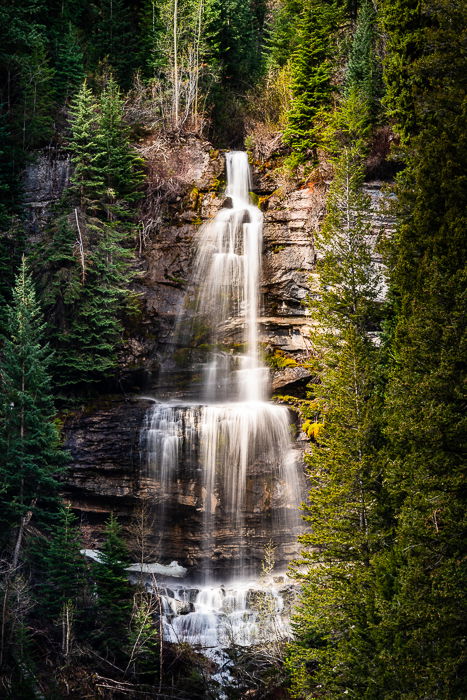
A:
x: 44, y: 181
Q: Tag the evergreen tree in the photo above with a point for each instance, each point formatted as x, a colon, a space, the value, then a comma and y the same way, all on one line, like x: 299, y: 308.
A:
x: 334, y: 650
x: 118, y: 162
x: 69, y: 64
x: 114, y: 38
x: 89, y: 259
x: 233, y: 38
x: 151, y: 30
x: 31, y: 457
x: 32, y: 112
x: 113, y: 589
x: 106, y: 168
x: 86, y: 150
x: 423, y: 625
x: 362, y: 74
x: 402, y: 21
x: 282, y: 38
x: 62, y: 568
x: 88, y: 343
x: 311, y: 76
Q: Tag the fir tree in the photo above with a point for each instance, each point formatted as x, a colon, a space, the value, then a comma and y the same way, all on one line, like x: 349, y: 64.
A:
x: 31, y: 457
x: 89, y: 260
x: 422, y: 601
x: 118, y: 162
x: 88, y: 343
x: 333, y: 650
x: 62, y: 567
x: 69, y: 65
x: 311, y: 76
x: 114, y: 38
x: 113, y: 589
x: 86, y: 151
x: 362, y: 72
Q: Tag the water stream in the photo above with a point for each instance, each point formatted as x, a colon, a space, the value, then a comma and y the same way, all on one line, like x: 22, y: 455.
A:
x: 223, y: 437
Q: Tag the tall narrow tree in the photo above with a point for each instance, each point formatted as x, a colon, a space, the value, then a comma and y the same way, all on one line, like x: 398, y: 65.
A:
x: 331, y: 654
x: 31, y: 457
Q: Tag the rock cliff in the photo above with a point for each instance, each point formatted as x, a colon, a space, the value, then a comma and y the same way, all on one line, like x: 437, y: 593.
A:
x: 185, y: 185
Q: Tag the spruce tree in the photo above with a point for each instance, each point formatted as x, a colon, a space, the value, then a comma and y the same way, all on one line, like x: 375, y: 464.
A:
x: 88, y: 343
x: 89, y: 256
x: 62, y: 574
x: 423, y: 598
x: 113, y: 589
x: 362, y: 72
x: 117, y: 162
x: 86, y: 150
x: 311, y: 76
x: 69, y: 64
x: 333, y: 651
x: 31, y: 457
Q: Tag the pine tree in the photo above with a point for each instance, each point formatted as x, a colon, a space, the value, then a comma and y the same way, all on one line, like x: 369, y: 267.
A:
x: 311, y: 77
x: 113, y: 589
x: 63, y: 569
x: 423, y: 626
x: 31, y: 457
x: 333, y: 650
x: 86, y: 151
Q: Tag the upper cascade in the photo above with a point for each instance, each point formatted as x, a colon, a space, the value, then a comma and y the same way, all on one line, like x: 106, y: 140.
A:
x: 227, y: 276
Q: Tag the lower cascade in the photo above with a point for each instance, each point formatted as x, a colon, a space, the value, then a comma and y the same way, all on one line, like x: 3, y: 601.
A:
x: 227, y: 484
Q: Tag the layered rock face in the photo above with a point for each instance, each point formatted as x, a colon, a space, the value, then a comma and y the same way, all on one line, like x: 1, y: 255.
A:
x: 109, y: 470
x: 110, y: 458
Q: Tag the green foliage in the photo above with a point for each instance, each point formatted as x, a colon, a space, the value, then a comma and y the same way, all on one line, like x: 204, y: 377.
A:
x: 62, y: 567
x: 114, y: 38
x: 233, y: 31
x: 113, y: 590
x: 424, y: 414
x: 88, y: 254
x: 279, y: 360
x: 362, y: 73
x: 86, y: 149
x: 282, y: 38
x: 69, y: 70
x: 403, y: 24
x: 381, y: 613
x: 107, y: 171
x: 31, y: 457
x: 336, y: 612
x: 87, y: 346
x: 311, y: 76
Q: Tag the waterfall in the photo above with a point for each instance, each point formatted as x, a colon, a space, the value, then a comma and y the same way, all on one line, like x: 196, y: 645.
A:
x: 223, y: 430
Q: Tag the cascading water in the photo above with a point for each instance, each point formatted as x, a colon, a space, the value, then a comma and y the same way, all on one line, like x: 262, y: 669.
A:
x: 226, y: 433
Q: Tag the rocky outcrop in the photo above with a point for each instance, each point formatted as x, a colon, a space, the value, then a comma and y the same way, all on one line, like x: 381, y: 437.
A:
x: 103, y: 441
x: 44, y: 181
x: 193, y: 195
x: 109, y: 469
